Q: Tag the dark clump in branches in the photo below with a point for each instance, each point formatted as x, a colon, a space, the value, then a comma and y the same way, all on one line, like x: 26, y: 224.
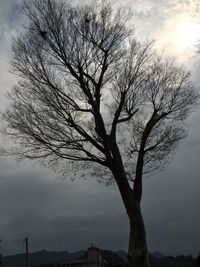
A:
x: 89, y: 94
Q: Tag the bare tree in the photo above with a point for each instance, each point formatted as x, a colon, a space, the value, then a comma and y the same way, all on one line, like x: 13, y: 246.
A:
x: 90, y: 97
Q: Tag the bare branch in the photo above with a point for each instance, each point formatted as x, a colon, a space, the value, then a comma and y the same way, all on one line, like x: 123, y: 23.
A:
x: 89, y: 91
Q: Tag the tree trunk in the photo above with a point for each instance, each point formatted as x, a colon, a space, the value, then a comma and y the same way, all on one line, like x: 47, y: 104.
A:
x: 137, y: 250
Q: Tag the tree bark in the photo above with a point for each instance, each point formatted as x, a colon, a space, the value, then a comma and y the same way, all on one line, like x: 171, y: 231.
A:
x: 137, y: 250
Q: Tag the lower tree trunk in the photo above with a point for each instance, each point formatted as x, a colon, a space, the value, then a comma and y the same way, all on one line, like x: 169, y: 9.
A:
x: 137, y: 251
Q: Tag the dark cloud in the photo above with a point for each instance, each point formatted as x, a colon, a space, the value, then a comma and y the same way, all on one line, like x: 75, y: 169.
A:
x: 171, y: 203
x: 71, y: 214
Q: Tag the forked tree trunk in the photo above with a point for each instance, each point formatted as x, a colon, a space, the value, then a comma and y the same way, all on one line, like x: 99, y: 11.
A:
x: 137, y: 250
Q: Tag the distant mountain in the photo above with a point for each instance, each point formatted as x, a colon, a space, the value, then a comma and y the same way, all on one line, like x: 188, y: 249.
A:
x: 166, y: 261
x: 157, y: 255
x: 51, y: 257
x: 41, y: 257
x: 122, y: 254
x: 113, y: 257
x: 157, y: 259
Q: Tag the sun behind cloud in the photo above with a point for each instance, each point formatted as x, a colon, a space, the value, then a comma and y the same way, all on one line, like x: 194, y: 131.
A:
x: 187, y: 33
x: 180, y: 35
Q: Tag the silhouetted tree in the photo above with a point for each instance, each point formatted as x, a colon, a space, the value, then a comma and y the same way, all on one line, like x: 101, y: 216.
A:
x: 92, y: 99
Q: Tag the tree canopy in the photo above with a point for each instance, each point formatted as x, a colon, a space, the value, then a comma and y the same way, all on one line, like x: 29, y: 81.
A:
x: 85, y: 79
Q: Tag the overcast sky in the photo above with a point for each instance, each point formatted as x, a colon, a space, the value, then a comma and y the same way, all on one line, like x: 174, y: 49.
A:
x: 58, y: 214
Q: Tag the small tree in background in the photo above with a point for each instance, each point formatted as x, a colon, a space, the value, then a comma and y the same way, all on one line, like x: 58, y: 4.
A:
x: 91, y: 98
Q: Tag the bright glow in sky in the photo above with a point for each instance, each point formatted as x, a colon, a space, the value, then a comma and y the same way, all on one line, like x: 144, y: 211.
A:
x: 179, y: 35
x: 186, y: 33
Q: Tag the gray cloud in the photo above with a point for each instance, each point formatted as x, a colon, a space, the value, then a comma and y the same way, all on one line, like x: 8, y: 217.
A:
x: 45, y: 207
